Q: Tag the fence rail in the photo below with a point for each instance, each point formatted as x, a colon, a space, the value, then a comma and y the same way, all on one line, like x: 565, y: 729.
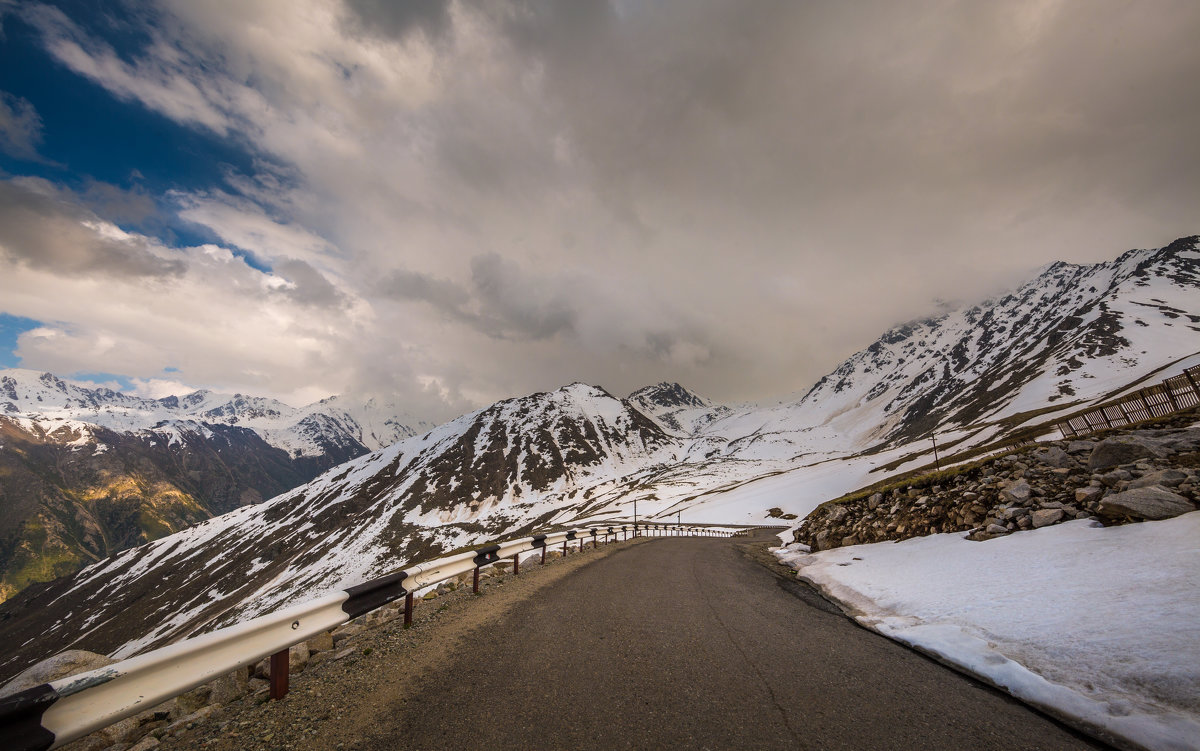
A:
x: 1172, y: 395
x: 49, y: 715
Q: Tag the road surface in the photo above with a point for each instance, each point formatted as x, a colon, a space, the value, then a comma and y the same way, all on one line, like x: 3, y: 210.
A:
x: 692, y: 643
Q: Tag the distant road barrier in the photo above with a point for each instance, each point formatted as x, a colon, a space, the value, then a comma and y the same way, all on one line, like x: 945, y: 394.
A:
x: 49, y: 715
x: 1172, y: 395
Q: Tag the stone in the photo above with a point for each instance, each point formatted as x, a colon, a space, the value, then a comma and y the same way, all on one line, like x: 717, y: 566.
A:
x: 850, y: 540
x: 874, y: 501
x: 1053, y: 456
x: 823, y: 542
x: 836, y: 513
x: 1116, y: 477
x: 94, y: 742
x: 189, y: 702
x: 298, y: 658
x: 61, y: 665
x: 144, y: 744
x: 1168, y: 478
x: 1112, y: 452
x: 322, y: 642
x: 970, y: 496
x: 1080, y: 447
x: 1088, y: 494
x: 347, y: 630
x: 1046, y: 517
x: 1154, y: 502
x: 996, y: 530
x: 230, y: 687
x: 1018, y: 493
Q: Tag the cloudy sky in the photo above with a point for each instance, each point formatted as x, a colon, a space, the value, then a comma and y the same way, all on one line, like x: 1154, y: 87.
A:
x: 456, y: 202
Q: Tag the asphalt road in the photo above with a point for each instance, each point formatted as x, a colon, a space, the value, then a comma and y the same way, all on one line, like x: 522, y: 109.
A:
x: 690, y: 643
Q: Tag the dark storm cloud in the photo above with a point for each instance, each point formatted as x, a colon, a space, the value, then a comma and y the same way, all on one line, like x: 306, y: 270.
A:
x: 45, y: 229
x: 308, y: 286
x: 399, y: 19
x: 501, y: 300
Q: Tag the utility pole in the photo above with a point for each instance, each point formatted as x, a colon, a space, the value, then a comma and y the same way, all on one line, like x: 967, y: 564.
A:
x: 936, y: 461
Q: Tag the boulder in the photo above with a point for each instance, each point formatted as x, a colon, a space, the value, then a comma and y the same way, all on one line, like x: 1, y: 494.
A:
x: 1053, y: 456
x: 298, y: 658
x: 1155, y: 502
x: 1046, y: 517
x: 230, y: 686
x: 322, y: 642
x: 61, y: 665
x: 874, y: 501
x: 1168, y: 478
x: 1088, y: 494
x: 836, y: 513
x: 1112, y: 452
x: 1018, y: 493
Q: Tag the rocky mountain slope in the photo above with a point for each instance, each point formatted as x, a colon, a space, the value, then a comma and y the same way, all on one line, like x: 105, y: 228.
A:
x: 1072, y: 335
x: 85, y: 473
x: 503, y: 470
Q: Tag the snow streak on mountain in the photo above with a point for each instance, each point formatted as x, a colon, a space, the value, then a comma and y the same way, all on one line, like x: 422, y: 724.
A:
x: 1070, y: 336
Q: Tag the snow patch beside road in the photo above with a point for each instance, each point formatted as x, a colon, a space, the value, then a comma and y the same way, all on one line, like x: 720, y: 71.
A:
x: 1101, y: 624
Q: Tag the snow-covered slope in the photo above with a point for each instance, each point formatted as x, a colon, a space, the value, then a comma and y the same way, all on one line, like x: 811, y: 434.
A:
x: 1072, y: 334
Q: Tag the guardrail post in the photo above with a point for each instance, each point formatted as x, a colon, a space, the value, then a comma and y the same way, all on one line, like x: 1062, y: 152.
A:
x: 516, y: 564
x: 543, y: 553
x: 475, y: 582
x: 279, y: 674
x: 564, y: 548
x: 408, y: 605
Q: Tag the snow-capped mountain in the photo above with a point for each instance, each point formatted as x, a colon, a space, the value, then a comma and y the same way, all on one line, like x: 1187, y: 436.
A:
x: 311, y: 430
x: 506, y: 469
x: 1072, y: 335
x: 88, y: 472
x: 675, y: 409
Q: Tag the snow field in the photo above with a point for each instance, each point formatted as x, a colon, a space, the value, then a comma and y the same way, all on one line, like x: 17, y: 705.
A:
x: 1097, y: 624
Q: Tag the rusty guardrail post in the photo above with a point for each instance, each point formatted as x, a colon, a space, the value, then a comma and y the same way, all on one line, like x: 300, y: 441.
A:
x: 408, y: 608
x: 544, y: 555
x: 279, y: 674
x: 516, y: 564
x: 475, y: 582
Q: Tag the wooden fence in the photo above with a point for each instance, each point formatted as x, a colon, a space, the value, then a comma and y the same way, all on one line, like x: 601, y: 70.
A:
x: 1172, y: 395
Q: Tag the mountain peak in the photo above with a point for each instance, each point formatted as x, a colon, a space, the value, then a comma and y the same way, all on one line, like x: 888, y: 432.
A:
x: 667, y: 394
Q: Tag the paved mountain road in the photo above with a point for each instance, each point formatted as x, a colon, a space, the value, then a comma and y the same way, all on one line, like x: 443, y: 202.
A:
x: 689, y: 643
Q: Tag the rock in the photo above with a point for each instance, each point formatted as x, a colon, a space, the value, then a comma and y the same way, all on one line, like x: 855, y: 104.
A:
x: 995, y: 530
x: 298, y: 658
x: 146, y: 743
x: 1155, y: 502
x: 1080, y: 447
x: 1115, y: 451
x: 1168, y: 478
x: 874, y: 501
x: 822, y: 541
x: 1018, y: 493
x: 61, y: 665
x: 836, y: 513
x: 95, y: 742
x: 1046, y: 517
x: 189, y: 702
x: 1088, y: 494
x: 126, y: 730
x: 1116, y: 477
x: 230, y: 686
x: 322, y: 642
x: 850, y: 540
x: 347, y: 630
x: 970, y: 496
x: 1053, y: 456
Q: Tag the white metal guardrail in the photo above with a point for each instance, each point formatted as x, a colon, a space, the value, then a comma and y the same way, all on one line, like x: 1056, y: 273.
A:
x: 49, y: 715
